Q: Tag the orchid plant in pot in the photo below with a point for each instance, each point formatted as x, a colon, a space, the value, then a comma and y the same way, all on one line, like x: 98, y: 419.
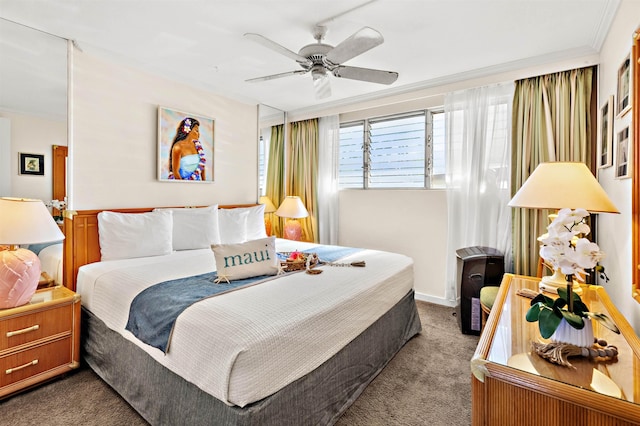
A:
x: 566, y: 318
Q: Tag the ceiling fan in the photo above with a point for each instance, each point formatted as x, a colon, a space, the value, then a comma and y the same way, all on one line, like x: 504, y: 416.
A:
x: 322, y: 59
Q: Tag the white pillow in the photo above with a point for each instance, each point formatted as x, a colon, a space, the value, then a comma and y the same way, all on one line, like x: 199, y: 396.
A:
x: 255, y: 228
x: 245, y: 260
x: 127, y: 235
x: 232, y: 224
x: 195, y: 228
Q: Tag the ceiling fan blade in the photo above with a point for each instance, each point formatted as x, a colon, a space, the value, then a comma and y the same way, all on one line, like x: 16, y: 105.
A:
x: 321, y: 84
x: 366, y: 74
x: 274, y: 76
x: 363, y: 40
x: 277, y: 48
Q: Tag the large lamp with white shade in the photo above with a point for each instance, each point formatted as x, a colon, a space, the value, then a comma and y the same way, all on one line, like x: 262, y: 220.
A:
x: 22, y: 221
x: 558, y: 185
x: 292, y: 209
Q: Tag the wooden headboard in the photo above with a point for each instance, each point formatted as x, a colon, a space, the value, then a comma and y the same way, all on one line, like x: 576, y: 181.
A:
x: 82, y: 243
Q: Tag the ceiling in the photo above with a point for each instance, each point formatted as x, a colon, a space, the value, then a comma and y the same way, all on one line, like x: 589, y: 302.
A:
x: 201, y: 43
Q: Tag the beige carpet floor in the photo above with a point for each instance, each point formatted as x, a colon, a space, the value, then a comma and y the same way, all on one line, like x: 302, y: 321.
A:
x: 427, y: 383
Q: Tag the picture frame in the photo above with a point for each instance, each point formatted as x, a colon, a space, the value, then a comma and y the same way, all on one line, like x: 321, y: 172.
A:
x: 623, y: 104
x: 605, y: 134
x: 623, y: 152
x: 196, y: 164
x: 31, y: 164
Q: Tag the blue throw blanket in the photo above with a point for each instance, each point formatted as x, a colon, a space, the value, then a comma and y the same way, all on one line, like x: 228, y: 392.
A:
x: 154, y: 310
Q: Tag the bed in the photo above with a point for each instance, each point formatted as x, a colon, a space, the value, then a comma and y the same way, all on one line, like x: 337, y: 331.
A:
x: 294, y: 348
x: 51, y: 264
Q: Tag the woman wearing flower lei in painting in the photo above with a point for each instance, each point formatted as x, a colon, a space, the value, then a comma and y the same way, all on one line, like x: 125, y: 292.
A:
x: 186, y: 154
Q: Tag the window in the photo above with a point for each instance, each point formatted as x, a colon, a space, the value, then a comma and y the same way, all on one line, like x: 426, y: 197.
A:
x: 263, y: 149
x: 400, y: 151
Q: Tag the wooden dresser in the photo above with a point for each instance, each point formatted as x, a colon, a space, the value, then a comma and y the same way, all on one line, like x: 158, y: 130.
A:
x: 39, y: 340
x: 513, y: 386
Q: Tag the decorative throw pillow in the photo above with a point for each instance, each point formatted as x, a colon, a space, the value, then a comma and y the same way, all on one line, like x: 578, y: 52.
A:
x: 246, y: 260
x: 195, y: 228
x: 232, y: 224
x: 128, y: 235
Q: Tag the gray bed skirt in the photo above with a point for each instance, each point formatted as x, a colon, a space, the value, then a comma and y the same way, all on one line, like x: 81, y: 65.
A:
x: 319, y: 398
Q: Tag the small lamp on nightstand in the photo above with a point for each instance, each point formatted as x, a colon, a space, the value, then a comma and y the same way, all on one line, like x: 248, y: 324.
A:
x: 268, y: 209
x: 292, y: 209
x: 22, y: 221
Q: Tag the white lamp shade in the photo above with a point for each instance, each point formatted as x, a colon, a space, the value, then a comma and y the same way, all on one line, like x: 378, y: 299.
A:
x: 26, y: 221
x: 268, y: 205
x: 559, y: 185
x: 292, y: 208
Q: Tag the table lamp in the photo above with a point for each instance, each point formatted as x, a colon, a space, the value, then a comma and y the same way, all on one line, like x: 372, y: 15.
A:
x: 22, y: 221
x: 268, y: 209
x: 558, y: 185
x: 292, y: 209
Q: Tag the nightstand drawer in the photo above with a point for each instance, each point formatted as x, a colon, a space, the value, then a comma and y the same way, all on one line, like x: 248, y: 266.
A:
x: 30, y: 362
x: 18, y: 330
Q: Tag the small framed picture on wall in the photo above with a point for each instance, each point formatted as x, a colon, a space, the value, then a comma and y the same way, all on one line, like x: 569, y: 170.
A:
x: 623, y: 148
x: 31, y: 164
x: 605, y: 134
x: 624, y: 87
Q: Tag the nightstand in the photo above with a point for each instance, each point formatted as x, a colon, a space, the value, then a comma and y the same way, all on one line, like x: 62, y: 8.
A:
x: 39, y: 340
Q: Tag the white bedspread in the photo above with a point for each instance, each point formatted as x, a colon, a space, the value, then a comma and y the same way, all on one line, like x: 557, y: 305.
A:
x: 245, y: 345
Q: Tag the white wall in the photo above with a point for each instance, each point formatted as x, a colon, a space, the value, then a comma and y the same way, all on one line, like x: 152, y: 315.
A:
x: 411, y: 222
x: 614, y: 231
x: 33, y: 135
x: 113, y: 146
x: 5, y: 157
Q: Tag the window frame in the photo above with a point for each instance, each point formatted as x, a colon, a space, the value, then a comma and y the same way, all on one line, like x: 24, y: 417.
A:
x: 428, y: 114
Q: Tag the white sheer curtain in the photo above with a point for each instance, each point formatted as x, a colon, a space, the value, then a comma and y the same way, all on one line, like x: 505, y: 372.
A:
x: 328, y: 163
x: 478, y: 158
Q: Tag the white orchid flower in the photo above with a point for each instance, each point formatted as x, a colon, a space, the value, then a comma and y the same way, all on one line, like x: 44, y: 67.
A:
x: 569, y: 266
x: 564, y: 246
x: 555, y: 241
x: 581, y: 228
x: 588, y: 254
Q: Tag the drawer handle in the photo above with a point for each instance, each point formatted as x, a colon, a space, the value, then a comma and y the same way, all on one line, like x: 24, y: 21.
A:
x: 24, y: 330
x: 29, y: 364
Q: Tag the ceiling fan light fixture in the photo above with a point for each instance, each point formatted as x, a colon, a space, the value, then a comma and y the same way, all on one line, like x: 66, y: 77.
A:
x: 321, y: 83
x: 318, y: 71
x: 323, y: 60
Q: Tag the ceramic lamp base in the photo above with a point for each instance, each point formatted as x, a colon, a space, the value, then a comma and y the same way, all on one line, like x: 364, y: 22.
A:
x: 551, y: 283
x: 293, y: 230
x: 267, y: 225
x: 19, y: 276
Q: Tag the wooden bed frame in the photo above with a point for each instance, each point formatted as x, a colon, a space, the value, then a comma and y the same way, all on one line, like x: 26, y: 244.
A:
x: 82, y: 243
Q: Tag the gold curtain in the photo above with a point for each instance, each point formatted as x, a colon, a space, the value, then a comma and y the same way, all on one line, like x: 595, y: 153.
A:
x: 552, y: 121
x: 275, y: 175
x: 302, y: 172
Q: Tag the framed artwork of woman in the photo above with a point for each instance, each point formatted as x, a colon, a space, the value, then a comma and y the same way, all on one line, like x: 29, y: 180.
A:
x: 185, y: 146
